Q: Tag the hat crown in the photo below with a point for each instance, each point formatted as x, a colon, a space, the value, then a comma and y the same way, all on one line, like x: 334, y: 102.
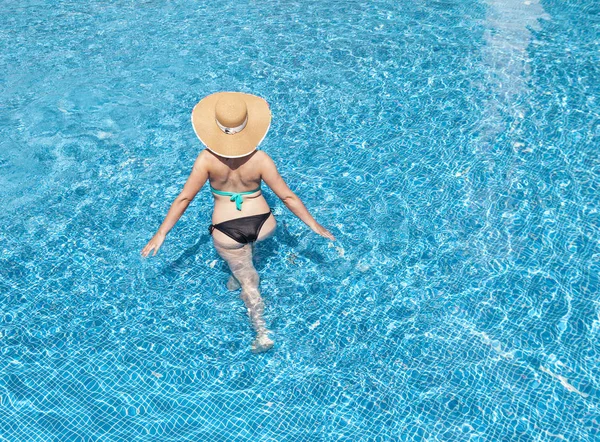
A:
x: 231, y: 111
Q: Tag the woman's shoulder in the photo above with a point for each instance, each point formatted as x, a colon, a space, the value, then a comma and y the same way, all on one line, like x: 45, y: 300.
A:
x: 261, y: 157
x: 205, y: 155
x: 203, y: 158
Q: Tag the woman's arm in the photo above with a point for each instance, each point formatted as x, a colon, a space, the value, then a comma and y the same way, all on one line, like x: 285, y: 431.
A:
x: 194, y: 183
x: 271, y: 176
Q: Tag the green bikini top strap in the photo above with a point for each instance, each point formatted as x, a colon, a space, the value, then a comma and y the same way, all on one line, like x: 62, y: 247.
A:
x: 235, y: 196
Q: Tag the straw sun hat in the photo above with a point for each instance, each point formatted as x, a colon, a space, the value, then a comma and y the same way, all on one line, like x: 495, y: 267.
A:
x: 231, y: 124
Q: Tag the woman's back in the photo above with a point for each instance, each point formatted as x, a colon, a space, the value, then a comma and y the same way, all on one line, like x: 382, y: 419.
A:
x: 234, y: 174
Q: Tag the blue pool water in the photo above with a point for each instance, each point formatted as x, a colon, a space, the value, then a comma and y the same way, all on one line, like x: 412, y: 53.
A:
x: 451, y: 147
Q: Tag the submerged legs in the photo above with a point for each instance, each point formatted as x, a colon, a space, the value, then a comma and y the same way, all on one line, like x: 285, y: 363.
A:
x: 233, y: 284
x: 243, y: 273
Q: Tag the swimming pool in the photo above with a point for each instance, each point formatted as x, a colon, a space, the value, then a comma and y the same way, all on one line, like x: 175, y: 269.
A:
x: 451, y: 147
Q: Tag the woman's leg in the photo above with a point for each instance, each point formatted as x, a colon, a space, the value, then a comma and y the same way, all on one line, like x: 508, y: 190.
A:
x: 266, y: 231
x: 232, y: 284
x: 239, y: 258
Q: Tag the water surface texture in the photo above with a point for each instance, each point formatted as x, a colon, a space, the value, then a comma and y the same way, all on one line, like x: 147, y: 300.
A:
x: 451, y: 147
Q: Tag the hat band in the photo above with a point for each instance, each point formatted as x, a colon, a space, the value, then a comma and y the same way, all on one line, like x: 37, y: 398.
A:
x: 233, y: 130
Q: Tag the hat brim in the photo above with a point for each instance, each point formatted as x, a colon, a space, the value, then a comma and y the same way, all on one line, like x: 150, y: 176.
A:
x: 231, y: 145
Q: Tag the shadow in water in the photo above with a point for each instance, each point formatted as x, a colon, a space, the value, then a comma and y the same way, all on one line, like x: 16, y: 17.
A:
x: 264, y: 251
x: 284, y: 235
x: 189, y: 253
x: 314, y: 256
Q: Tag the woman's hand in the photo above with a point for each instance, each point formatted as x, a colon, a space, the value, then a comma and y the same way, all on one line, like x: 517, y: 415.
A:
x: 153, y: 244
x: 320, y: 230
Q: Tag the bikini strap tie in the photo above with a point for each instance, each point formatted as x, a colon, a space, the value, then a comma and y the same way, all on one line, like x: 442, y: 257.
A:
x: 234, y: 196
x: 237, y: 197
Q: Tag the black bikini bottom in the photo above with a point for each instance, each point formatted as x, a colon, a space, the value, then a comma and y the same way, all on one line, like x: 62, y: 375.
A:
x: 243, y: 230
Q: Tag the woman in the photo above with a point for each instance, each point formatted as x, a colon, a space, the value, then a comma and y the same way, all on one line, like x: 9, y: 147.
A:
x: 232, y: 125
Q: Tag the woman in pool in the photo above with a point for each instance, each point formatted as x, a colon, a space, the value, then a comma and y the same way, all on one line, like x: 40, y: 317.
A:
x: 231, y: 125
